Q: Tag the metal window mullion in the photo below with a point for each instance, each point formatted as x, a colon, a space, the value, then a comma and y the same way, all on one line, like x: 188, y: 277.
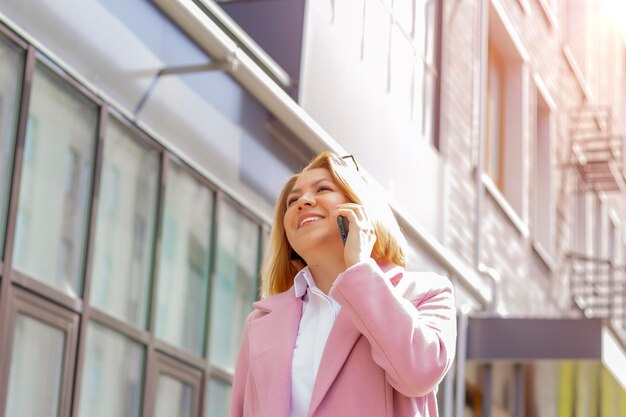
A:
x: 89, y: 250
x: 218, y: 206
x: 5, y: 283
x: 156, y: 249
x: 150, y: 378
x: 150, y: 371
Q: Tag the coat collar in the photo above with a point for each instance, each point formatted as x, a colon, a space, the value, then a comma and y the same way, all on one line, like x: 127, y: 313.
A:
x: 272, y: 340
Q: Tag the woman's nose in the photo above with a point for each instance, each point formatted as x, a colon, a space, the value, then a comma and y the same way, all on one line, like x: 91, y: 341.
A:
x: 305, y: 200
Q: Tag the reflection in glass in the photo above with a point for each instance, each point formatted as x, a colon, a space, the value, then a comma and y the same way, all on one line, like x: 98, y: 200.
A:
x: 209, y: 115
x: 56, y: 182
x: 36, y: 369
x: 112, y: 380
x: 173, y: 398
x: 125, y: 227
x: 184, y: 262
x: 218, y: 404
x: 236, y: 283
x: 11, y: 59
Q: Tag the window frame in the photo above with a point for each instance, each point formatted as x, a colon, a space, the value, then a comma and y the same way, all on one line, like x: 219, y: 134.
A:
x: 108, y: 114
x: 31, y: 305
x: 221, y: 200
x: 34, y: 58
x: 170, y: 159
x: 510, y: 197
x: 545, y: 250
x: 162, y: 364
x: 11, y: 281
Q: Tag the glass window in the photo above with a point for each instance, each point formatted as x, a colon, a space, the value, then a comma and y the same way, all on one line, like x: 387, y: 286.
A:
x: 544, y: 205
x: 56, y: 181
x: 125, y: 227
x: 36, y: 369
x: 112, y: 383
x: 218, y: 404
x: 11, y: 64
x: 235, y: 288
x: 184, y: 262
x: 504, y: 130
x: 173, y: 399
x: 494, y: 138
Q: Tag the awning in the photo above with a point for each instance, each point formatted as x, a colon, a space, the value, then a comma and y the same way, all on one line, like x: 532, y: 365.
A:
x: 532, y: 339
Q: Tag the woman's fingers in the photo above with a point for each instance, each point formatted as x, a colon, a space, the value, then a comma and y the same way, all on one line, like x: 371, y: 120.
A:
x: 361, y: 236
x: 355, y: 213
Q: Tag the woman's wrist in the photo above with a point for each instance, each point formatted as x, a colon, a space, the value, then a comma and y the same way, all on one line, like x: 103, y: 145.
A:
x: 359, y: 261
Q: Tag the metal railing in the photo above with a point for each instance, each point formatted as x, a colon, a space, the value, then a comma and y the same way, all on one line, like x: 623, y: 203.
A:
x: 598, y: 289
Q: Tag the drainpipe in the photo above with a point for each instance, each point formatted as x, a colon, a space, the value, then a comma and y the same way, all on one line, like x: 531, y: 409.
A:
x: 481, y: 94
x: 495, y: 278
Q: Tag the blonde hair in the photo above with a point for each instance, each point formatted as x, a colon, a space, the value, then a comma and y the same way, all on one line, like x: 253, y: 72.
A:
x: 282, y: 263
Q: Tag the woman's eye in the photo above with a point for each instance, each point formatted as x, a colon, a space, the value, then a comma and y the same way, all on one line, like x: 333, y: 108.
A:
x: 324, y: 188
x: 291, y: 201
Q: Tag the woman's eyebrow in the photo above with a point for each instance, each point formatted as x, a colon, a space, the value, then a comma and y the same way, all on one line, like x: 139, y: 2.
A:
x: 297, y: 190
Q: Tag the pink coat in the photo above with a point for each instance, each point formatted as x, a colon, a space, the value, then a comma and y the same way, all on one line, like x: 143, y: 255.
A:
x: 391, y: 344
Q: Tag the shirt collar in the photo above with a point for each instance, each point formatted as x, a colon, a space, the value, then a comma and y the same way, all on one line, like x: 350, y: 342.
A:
x: 303, y: 281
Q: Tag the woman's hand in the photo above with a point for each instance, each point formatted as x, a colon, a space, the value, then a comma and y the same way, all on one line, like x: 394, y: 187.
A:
x: 361, y: 236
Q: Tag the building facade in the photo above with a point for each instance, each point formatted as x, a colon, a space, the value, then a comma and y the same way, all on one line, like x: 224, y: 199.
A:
x: 494, y: 128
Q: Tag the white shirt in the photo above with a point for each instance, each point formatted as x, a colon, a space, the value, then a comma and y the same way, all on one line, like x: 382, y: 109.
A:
x: 319, y: 312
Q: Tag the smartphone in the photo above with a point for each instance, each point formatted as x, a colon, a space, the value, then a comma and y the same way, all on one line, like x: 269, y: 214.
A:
x: 343, y: 224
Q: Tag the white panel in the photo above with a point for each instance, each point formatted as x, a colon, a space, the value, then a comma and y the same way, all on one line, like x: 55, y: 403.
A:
x: 613, y: 356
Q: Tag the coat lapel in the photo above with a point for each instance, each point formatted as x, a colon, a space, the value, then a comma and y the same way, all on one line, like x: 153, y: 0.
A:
x: 272, y: 339
x: 340, y: 341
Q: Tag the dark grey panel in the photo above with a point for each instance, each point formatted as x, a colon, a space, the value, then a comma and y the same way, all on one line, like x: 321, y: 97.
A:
x: 498, y: 338
x: 276, y: 25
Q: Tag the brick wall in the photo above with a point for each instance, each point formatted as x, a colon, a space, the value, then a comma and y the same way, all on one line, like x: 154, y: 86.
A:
x: 529, y: 285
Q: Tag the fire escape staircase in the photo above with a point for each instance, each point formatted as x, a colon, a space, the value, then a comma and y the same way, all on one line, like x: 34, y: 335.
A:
x: 597, y: 285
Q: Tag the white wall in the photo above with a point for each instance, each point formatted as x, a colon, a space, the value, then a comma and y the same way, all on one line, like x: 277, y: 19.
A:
x: 362, y: 80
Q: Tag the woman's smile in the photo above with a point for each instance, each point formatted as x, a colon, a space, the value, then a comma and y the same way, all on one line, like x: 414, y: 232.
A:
x: 308, y: 219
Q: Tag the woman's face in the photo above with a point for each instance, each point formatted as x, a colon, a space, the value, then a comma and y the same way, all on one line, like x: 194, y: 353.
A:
x: 310, y: 219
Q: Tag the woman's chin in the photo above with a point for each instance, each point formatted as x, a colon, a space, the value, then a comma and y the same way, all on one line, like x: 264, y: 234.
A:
x: 319, y: 245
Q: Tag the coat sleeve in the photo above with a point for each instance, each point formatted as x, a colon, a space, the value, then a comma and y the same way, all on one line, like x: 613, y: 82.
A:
x: 241, y: 376
x: 411, y: 326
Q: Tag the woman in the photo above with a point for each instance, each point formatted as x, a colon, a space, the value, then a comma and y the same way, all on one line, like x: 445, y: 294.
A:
x: 343, y: 330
